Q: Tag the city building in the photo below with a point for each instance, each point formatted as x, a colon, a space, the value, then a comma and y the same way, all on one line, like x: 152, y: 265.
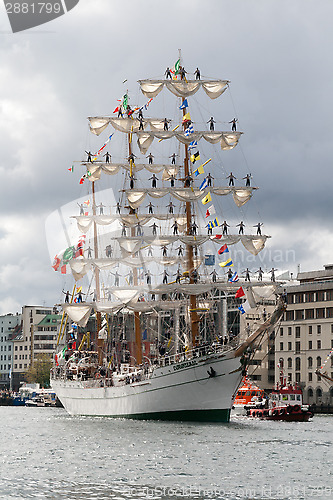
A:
x: 305, y: 337
x: 8, y: 323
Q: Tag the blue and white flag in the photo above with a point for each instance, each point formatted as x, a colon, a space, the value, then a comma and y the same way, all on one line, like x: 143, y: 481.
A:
x: 189, y: 130
x: 184, y: 104
x: 193, y: 145
x: 203, y: 185
x: 244, y: 307
x: 234, y: 278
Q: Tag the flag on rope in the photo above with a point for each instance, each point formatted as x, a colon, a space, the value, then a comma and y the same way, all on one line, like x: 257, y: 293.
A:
x: 189, y: 130
x: 210, y: 211
x: 203, y: 185
x: 244, y: 307
x: 240, y: 293
x: 206, y: 199
x: 227, y: 263
x: 87, y: 203
x: 184, y: 104
x: 192, y: 145
x: 71, y: 169
x: 195, y: 157
x: 233, y: 278
x: 198, y: 171
x: 186, y: 118
x: 125, y: 102
x: 213, y: 223
x: 175, y: 69
x: 224, y: 249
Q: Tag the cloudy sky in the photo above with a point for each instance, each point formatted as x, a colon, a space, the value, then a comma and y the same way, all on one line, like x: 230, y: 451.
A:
x: 277, y: 55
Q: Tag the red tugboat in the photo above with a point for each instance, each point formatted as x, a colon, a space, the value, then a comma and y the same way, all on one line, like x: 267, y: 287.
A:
x: 284, y: 403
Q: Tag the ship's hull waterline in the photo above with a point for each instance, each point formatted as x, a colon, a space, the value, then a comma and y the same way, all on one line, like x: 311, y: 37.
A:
x: 183, y: 391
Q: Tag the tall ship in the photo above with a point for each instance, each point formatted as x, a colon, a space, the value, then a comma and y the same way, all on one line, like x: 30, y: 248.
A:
x: 145, y: 340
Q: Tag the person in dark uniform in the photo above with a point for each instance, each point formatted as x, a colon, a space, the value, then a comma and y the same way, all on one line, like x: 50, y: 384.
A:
x: 225, y: 226
x: 118, y: 207
x: 214, y: 275
x: 107, y: 157
x: 171, y: 207
x: 188, y: 181
x: 81, y: 208
x: 247, y: 179
x: 150, y: 158
x: 66, y: 296
x: 132, y: 179
x: 258, y: 226
x: 180, y: 250
x: 123, y: 231
x: 197, y: 74
x: 150, y: 207
x: 229, y: 274
x: 148, y: 277
x: 164, y: 251
x: 182, y: 72
x: 141, y: 123
x: 108, y: 251
x: 178, y: 275
x: 89, y: 250
x: 166, y: 124
x: 173, y: 159
x: 153, y: 179
x: 272, y: 271
x: 172, y: 179
x: 101, y: 208
x: 138, y: 229
x: 168, y: 73
x: 260, y: 274
x: 231, y: 178
x: 154, y: 226
x: 194, y: 228
x: 195, y: 276
x: 131, y: 158
x: 211, y: 122
x: 165, y: 278
x: 247, y: 274
x: 241, y: 226
x: 175, y: 227
x: 89, y: 155
x: 233, y: 126
x: 209, y: 179
x: 120, y: 112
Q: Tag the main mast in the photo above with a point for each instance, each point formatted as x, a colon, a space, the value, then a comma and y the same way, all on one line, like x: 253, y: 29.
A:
x: 100, y: 342
x: 137, y: 326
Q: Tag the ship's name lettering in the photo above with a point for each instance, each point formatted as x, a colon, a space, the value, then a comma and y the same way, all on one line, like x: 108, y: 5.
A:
x: 185, y: 365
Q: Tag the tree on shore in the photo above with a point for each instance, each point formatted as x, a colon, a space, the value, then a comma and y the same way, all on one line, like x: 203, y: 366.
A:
x: 39, y: 371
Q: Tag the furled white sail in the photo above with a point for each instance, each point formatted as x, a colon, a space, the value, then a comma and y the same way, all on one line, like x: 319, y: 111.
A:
x: 183, y: 88
x: 79, y: 313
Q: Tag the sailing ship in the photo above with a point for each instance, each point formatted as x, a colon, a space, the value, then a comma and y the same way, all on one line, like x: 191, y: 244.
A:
x: 192, y: 371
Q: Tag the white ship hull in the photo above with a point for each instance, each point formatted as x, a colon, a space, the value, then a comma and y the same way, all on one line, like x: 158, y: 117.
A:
x: 181, y: 391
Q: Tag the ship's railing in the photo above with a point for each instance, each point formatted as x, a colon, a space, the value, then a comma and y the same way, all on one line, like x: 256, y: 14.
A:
x: 197, y: 352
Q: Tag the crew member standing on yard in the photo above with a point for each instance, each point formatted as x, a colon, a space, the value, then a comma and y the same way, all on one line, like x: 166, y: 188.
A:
x: 197, y: 74
x: 231, y: 178
x: 209, y: 179
x: 173, y: 159
x: 150, y: 158
x: 150, y: 207
x: 166, y: 124
x: 225, y: 226
x: 233, y: 126
x: 168, y: 73
x: 258, y: 226
x: 211, y: 122
x: 241, y: 226
x: 247, y: 180
x: 107, y: 157
x: 89, y: 155
x: 153, y: 179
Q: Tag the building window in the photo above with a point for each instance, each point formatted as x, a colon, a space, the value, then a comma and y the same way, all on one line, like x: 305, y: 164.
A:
x: 289, y: 346
x: 310, y: 392
x: 320, y: 296
x: 320, y: 313
x: 281, y: 346
x: 310, y: 377
x: 310, y: 329
x: 319, y: 329
x: 318, y: 344
x: 299, y: 314
x: 298, y: 377
x: 289, y: 377
x: 298, y: 347
x: 329, y: 295
x: 298, y: 332
x: 290, y: 316
x: 329, y: 312
x: 310, y: 361
x: 290, y: 363
x: 298, y: 364
x: 309, y: 296
x: 310, y: 344
x: 309, y: 313
x: 298, y: 298
x: 281, y: 331
x: 16, y: 348
x: 318, y: 377
x: 318, y: 361
x: 289, y: 330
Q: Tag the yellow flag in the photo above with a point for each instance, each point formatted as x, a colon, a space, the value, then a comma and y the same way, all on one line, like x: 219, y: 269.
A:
x: 79, y: 289
x: 206, y: 199
x: 186, y: 117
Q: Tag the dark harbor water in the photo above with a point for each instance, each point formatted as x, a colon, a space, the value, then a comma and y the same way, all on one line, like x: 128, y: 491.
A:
x: 45, y: 453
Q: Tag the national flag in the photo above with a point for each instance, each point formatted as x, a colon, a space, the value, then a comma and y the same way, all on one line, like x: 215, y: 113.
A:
x: 79, y: 289
x: 82, y: 179
x: 198, y: 171
x: 209, y: 260
x: 125, y: 102
x: 195, y: 157
x: 206, y: 199
x: 175, y: 69
x: 244, y: 307
x: 210, y: 211
x: 117, y: 109
x: 189, y: 130
x: 184, y: 104
x: 203, y: 185
x: 240, y: 293
x: 233, y: 278
x: 224, y: 249
x: 71, y: 169
x: 63, y: 269
x: 87, y: 203
x: 186, y: 118
x: 56, y: 263
x: 192, y: 145
x: 227, y: 263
